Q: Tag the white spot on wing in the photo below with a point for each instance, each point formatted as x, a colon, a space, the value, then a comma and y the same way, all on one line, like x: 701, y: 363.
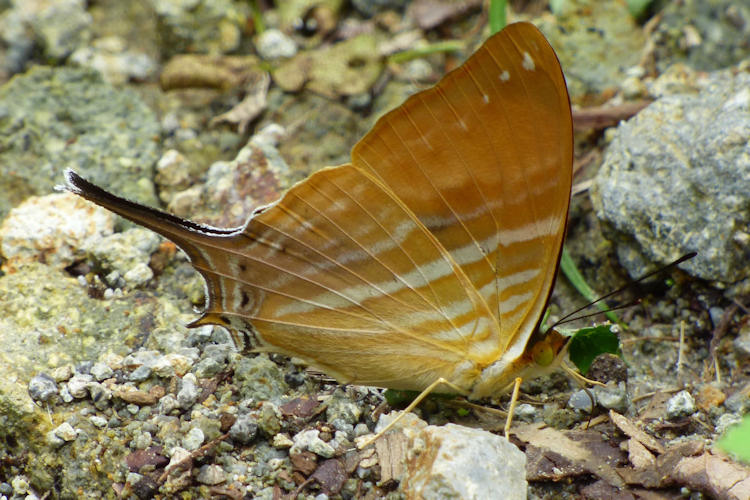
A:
x: 486, y: 98
x: 528, y: 62
x: 504, y: 76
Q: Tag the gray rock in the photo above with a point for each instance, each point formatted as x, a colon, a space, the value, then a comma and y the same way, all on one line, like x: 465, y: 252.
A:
x: 614, y: 396
x: 107, y: 135
x: 128, y: 253
x: 342, y: 408
x: 738, y: 402
x: 742, y: 341
x: 211, y: 474
x: 705, y: 35
x: 203, y: 26
x: 525, y: 412
x: 42, y: 387
x: 65, y: 431
x: 681, y: 404
x: 138, y: 275
x: 259, y: 378
x: 117, y: 65
x: 452, y: 461
x: 167, y: 404
x: 58, y: 38
x: 581, y: 401
x: 244, y: 429
x: 188, y: 394
x: 78, y: 386
x: 193, y: 439
x: 309, y: 440
x: 54, y: 229
x: 369, y: 8
x: 101, y: 371
x: 98, y: 421
x: 141, y: 373
x: 671, y: 183
x: 100, y: 395
x: 273, y: 44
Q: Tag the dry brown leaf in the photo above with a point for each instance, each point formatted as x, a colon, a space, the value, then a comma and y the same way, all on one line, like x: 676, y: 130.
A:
x: 631, y: 430
x: 206, y: 71
x: 250, y: 107
x: 714, y: 475
x: 557, y: 445
x: 639, y: 456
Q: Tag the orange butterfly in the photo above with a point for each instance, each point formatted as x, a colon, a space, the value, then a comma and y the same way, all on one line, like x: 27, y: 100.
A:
x: 431, y: 256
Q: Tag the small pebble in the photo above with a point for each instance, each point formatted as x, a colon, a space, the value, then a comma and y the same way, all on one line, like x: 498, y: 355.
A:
x: 142, y: 441
x: 100, y: 371
x: 98, y: 421
x: 193, y: 439
x: 309, y: 440
x: 211, y: 474
x: 614, y: 396
x: 163, y: 368
x: 282, y: 441
x: 140, y: 374
x: 273, y: 44
x: 681, y: 404
x: 140, y: 274
x: 581, y: 401
x: 188, y: 394
x: 168, y: 404
x: 78, y: 385
x: 42, y: 387
x: 65, y: 431
x: 525, y: 412
x: 62, y: 373
x: 244, y: 429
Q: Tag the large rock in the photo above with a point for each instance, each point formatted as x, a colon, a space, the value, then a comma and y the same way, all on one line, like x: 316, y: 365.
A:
x: 456, y: 462
x: 676, y: 178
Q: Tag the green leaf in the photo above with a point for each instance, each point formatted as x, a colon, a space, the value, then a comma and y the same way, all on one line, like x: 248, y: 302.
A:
x: 569, y: 269
x: 736, y: 440
x: 637, y: 7
x: 498, y: 19
x: 588, y: 343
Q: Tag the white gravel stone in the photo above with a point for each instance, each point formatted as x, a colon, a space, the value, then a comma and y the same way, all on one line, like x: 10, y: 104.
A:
x: 309, y: 440
x: 52, y: 228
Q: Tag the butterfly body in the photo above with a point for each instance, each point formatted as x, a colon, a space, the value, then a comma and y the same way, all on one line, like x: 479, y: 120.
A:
x: 432, y: 254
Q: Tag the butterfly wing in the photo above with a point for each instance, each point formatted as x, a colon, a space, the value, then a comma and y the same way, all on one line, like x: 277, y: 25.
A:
x: 399, y: 268
x: 484, y: 160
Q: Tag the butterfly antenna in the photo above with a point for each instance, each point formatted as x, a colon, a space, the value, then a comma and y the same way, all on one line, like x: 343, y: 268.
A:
x: 597, y: 313
x: 565, y: 319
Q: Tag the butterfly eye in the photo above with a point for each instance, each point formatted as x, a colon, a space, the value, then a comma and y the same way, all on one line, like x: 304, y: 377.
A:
x: 542, y: 353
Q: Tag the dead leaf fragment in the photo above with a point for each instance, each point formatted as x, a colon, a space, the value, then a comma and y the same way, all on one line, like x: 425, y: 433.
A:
x: 330, y: 475
x: 714, y: 475
x: 592, y: 456
x: 638, y: 455
x: 204, y: 71
x: 431, y: 13
x: 629, y: 429
x: 250, y: 107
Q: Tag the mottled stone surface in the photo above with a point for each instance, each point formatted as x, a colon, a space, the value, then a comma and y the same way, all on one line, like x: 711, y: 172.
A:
x: 57, y: 118
x: 676, y: 178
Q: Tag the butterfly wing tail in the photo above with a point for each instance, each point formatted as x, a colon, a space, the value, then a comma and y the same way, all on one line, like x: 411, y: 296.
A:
x: 191, y: 237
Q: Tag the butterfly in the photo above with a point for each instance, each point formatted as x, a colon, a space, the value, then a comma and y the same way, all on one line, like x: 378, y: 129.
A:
x: 430, y: 256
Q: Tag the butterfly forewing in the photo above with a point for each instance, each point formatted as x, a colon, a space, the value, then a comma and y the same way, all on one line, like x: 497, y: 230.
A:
x: 431, y: 255
x: 484, y: 159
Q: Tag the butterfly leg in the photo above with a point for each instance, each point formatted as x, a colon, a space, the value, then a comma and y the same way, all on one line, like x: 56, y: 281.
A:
x: 412, y: 405
x: 512, y: 408
x: 580, y: 379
